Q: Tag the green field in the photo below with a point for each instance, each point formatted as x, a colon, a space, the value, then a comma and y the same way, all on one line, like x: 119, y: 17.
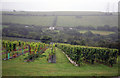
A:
x: 71, y: 19
x: 87, y: 21
x: 98, y: 32
x: 29, y: 20
x: 62, y: 67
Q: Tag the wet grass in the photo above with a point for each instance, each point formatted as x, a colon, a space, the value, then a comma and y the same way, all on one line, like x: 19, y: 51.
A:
x: 62, y: 67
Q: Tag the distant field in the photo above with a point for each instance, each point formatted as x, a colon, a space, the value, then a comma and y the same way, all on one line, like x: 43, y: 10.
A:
x: 87, y: 21
x: 57, y: 12
x: 98, y: 32
x: 29, y: 20
x: 63, y: 18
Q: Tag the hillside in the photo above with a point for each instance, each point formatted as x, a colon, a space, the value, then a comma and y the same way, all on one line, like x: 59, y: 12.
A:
x: 61, y: 18
x: 32, y: 59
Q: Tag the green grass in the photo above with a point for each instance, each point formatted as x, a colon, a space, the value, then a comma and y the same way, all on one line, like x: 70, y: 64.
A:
x: 87, y: 21
x: 70, y: 21
x: 98, y: 32
x: 29, y: 20
x: 40, y: 67
x: 4, y: 26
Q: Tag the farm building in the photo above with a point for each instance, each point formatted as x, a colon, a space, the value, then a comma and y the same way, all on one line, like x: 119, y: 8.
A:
x: 51, y: 28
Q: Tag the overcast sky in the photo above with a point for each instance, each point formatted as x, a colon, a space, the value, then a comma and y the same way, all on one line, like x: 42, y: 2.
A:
x: 61, y: 5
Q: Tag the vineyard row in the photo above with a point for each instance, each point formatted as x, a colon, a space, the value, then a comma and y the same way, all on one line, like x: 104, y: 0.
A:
x: 83, y: 54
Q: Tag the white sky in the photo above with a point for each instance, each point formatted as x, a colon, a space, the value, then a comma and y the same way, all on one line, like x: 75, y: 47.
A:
x: 60, y: 5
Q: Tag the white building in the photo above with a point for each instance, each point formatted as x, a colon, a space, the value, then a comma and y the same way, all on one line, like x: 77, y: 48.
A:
x: 26, y: 26
x: 70, y: 28
x: 51, y: 28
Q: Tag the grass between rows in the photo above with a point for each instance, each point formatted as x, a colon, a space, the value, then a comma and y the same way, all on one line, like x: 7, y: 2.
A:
x: 62, y: 67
